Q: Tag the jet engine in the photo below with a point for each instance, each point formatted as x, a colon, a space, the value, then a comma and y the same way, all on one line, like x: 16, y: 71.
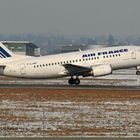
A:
x: 101, y: 70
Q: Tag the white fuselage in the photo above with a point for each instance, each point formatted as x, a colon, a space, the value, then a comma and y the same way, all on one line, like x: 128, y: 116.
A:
x: 52, y: 66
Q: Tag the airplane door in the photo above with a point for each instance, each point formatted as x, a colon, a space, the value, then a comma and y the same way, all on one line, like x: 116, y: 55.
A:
x: 133, y: 54
x: 23, y: 69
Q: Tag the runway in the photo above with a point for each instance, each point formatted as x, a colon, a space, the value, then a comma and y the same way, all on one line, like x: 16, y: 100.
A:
x: 63, y: 86
x: 70, y: 138
x: 117, y: 81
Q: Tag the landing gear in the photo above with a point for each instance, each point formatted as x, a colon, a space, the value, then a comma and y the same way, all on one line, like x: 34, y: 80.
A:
x: 73, y: 81
x: 77, y: 81
x: 137, y: 72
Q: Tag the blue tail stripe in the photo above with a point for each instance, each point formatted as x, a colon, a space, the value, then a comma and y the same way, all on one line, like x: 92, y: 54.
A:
x: 1, y: 56
x: 4, y: 52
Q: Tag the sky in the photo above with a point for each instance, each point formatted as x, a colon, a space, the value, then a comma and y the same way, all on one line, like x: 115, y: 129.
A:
x: 70, y: 17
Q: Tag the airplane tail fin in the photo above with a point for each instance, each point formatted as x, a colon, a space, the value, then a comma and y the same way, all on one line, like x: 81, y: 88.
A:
x: 5, y: 52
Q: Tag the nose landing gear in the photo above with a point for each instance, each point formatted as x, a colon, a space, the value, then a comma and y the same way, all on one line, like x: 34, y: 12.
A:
x: 73, y: 81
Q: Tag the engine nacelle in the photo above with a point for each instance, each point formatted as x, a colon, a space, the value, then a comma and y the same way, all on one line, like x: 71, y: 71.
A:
x: 101, y: 70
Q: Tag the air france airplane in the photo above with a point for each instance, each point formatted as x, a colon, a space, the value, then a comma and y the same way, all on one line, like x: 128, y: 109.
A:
x: 96, y: 62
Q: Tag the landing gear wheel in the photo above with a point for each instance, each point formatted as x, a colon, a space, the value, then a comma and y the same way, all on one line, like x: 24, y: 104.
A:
x: 71, y: 81
x: 74, y: 81
x: 77, y: 81
x: 137, y: 72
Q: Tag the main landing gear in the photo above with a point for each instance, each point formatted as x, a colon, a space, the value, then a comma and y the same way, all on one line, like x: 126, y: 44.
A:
x: 73, y: 81
x: 137, y: 72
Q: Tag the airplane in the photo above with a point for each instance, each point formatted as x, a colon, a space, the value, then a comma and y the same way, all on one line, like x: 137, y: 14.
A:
x: 96, y: 62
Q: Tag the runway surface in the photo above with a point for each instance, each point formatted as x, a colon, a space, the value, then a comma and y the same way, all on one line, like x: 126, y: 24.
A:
x: 63, y: 86
x: 68, y: 138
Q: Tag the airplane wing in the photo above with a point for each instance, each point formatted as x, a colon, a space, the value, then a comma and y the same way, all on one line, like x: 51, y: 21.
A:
x: 75, y: 69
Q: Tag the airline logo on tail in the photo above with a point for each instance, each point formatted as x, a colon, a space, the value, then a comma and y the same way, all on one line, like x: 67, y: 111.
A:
x: 3, y: 53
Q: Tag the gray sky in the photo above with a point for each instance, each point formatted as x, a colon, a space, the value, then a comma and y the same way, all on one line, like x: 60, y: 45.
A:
x: 70, y: 17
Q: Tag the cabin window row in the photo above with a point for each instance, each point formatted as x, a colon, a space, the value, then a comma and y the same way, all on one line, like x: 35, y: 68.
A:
x: 65, y: 62
x: 73, y: 61
x: 108, y: 56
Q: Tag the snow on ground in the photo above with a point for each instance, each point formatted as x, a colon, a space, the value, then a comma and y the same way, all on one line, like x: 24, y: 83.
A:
x: 70, y: 118
x: 96, y: 118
